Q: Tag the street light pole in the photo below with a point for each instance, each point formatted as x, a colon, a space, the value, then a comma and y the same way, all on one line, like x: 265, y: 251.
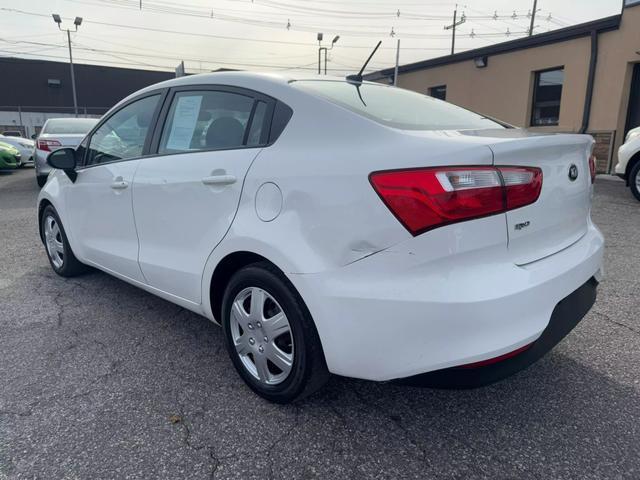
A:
x: 73, y: 77
x: 77, y: 22
x: 321, y: 48
x: 320, y: 35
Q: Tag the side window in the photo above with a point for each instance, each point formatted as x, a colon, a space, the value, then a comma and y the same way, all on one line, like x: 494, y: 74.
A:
x: 123, y: 135
x: 205, y: 120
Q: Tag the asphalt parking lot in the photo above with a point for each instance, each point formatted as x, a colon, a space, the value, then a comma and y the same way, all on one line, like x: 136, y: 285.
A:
x: 102, y: 380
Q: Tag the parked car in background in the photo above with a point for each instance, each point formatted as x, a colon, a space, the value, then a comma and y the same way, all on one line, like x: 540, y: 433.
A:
x: 334, y: 226
x: 9, y: 156
x: 58, y: 133
x: 628, y: 166
x: 12, y: 133
x: 25, y: 146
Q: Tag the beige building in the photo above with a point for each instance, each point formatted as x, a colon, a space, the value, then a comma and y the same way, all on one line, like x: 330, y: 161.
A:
x: 584, y: 78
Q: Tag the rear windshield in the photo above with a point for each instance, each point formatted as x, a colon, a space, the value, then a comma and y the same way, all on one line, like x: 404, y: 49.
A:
x: 70, y: 126
x: 396, y: 107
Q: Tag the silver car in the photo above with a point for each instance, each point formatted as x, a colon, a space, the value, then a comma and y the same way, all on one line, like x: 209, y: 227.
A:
x: 58, y: 133
x: 24, y: 145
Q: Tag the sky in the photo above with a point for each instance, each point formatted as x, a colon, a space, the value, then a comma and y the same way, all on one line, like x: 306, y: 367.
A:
x: 273, y: 35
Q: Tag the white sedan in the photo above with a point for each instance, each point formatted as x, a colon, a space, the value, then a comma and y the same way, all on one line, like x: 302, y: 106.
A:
x: 334, y: 226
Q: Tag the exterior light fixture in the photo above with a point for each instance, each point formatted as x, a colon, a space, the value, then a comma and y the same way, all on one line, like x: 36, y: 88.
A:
x: 481, y: 62
x: 77, y: 22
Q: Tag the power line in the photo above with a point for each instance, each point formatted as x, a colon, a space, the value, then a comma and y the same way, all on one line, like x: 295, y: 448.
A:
x: 150, y: 6
x: 82, y: 59
x: 116, y: 54
x: 220, y: 13
x: 176, y: 32
x: 223, y: 37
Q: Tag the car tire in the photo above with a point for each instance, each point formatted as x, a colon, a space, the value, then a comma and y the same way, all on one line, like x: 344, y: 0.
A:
x: 41, y: 179
x: 59, y: 252
x: 247, y: 333
x: 634, y: 180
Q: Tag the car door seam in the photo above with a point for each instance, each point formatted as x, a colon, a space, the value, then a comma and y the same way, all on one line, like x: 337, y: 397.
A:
x: 235, y: 214
x: 135, y: 223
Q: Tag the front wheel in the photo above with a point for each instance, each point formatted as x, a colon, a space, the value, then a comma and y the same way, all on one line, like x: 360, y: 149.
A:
x: 634, y: 180
x: 61, y: 257
x: 270, y: 335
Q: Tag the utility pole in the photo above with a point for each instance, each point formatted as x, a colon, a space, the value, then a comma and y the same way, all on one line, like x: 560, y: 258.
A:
x: 395, y: 74
x: 77, y: 22
x: 453, y: 26
x: 533, y: 16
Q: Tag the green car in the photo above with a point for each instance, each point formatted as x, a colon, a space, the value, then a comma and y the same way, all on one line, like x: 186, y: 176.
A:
x: 9, y: 156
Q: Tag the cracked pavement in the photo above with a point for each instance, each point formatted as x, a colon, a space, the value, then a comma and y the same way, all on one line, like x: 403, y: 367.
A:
x: 102, y: 380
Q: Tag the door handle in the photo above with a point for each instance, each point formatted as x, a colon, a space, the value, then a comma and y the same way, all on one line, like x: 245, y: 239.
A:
x: 219, y: 180
x: 119, y: 184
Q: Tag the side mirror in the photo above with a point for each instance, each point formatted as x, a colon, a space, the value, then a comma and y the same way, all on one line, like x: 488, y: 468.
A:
x: 64, y: 159
x: 34, y: 136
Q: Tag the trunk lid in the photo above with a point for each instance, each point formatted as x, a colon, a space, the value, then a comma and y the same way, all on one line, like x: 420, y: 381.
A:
x: 560, y: 216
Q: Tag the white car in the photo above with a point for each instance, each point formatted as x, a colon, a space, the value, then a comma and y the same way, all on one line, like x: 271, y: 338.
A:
x: 334, y: 226
x: 628, y: 167
x: 24, y: 145
x: 58, y: 133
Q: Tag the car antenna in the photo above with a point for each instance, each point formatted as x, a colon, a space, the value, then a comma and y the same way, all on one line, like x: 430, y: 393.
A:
x: 357, y: 78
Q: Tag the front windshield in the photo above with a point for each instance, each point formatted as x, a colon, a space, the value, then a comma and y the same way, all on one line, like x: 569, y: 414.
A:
x: 396, y: 107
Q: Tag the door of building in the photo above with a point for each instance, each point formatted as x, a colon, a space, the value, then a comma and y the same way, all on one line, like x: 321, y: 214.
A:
x: 633, y: 117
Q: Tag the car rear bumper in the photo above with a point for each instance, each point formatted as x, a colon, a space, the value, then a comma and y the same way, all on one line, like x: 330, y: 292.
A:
x: 378, y: 321
x: 566, y: 315
x: 40, y: 163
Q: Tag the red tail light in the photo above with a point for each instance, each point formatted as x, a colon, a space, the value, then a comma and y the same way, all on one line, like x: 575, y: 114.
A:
x: 424, y: 199
x: 592, y: 168
x: 523, y: 185
x: 47, y: 144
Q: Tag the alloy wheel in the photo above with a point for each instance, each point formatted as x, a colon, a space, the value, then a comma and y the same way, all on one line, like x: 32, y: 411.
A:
x: 262, y: 336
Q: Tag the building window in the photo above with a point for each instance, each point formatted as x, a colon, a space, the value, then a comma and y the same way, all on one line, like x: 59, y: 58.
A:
x: 439, y: 92
x: 547, y: 93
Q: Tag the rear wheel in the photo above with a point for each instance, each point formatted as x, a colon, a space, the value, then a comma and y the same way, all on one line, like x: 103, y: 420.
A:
x: 41, y: 179
x: 270, y: 335
x: 61, y: 258
x: 634, y: 180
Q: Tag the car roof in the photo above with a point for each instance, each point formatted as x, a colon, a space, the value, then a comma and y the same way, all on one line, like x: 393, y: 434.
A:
x: 264, y: 82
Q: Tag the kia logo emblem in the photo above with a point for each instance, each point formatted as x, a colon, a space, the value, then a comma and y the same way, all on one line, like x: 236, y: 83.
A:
x: 573, y: 172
